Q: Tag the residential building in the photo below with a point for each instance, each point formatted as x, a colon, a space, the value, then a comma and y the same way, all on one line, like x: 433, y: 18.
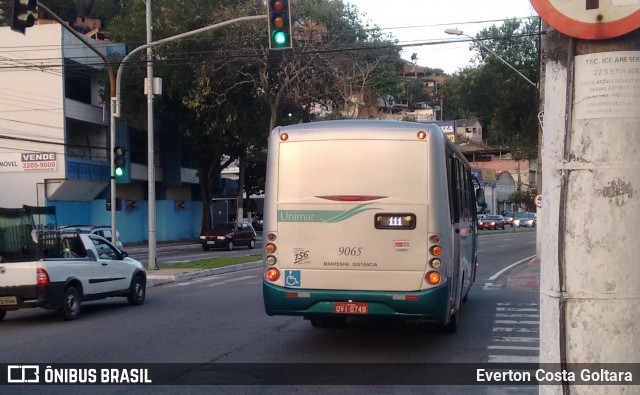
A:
x: 54, y: 128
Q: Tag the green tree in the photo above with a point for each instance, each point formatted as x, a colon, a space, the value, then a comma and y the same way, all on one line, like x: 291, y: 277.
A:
x: 503, y: 100
x: 524, y: 199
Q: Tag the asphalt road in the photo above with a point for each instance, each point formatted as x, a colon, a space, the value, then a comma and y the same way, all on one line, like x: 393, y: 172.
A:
x: 220, y: 320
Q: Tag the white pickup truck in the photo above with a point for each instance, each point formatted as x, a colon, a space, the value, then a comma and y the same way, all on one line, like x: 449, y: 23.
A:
x: 66, y: 270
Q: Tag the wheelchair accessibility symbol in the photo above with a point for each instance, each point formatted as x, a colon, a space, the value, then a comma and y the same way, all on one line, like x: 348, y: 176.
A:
x: 292, y: 278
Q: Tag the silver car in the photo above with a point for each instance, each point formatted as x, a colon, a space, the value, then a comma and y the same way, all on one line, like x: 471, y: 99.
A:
x: 104, y: 231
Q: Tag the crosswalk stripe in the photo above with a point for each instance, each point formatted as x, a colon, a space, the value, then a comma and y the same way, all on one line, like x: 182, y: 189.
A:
x: 513, y: 358
x: 517, y: 330
x: 524, y: 348
x: 514, y: 322
x: 514, y: 339
x: 521, y: 320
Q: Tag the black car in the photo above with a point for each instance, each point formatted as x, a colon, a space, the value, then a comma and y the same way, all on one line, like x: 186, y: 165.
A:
x: 229, y: 235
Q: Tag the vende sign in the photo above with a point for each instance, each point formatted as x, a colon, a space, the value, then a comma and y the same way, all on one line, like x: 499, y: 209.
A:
x: 590, y: 19
x: 28, y: 161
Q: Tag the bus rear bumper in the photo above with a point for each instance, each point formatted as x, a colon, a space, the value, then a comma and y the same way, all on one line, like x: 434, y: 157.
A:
x: 429, y: 305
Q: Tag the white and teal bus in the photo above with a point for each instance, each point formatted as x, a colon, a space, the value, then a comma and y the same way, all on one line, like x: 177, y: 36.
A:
x: 368, y: 218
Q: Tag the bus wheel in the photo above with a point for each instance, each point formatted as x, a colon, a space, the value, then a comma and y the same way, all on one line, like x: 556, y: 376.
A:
x: 452, y: 326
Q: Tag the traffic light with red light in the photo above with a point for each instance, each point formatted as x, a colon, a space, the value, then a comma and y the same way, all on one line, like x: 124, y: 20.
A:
x: 24, y: 14
x: 279, y: 24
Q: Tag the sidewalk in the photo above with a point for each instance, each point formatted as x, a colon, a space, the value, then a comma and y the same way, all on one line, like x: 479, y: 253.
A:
x: 527, y: 277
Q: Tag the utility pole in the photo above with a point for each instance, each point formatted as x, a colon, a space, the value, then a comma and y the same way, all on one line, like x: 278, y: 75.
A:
x: 151, y: 166
x: 589, y: 288
x: 112, y: 123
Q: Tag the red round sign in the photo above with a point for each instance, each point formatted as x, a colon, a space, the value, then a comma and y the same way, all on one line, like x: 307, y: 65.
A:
x: 590, y: 19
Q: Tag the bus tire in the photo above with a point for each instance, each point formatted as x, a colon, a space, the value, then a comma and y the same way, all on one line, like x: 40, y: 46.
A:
x: 452, y: 326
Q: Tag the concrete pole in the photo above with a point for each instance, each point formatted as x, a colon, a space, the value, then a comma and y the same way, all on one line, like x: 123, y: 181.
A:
x: 151, y: 167
x: 590, y: 277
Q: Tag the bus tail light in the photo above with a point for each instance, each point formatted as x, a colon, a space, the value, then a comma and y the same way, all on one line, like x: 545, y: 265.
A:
x: 273, y: 274
x: 435, y: 263
x: 422, y: 135
x: 270, y: 248
x: 433, y: 278
x: 271, y: 260
x: 436, y: 250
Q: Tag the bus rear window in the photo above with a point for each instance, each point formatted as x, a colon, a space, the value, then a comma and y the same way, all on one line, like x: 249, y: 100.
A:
x: 391, y: 168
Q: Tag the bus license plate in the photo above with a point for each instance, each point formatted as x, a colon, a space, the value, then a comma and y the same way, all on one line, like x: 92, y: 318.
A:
x: 8, y: 300
x: 351, y: 308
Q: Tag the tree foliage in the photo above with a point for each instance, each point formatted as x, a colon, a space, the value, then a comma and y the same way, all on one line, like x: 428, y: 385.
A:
x: 524, y: 199
x: 504, y: 101
x: 224, y: 90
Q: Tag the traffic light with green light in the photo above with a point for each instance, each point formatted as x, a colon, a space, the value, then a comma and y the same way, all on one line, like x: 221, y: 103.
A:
x: 279, y: 24
x: 24, y: 14
x: 119, y: 161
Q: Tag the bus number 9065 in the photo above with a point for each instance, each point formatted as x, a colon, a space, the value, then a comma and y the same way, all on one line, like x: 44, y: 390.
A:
x: 350, y: 251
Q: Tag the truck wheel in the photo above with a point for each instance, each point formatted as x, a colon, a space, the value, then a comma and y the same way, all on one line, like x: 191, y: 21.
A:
x: 137, y: 292
x: 2, y: 314
x: 70, y: 309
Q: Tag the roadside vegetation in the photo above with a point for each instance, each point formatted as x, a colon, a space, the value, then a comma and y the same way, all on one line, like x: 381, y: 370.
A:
x: 212, y: 263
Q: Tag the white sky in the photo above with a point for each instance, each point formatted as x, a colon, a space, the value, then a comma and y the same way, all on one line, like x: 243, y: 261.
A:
x: 418, y: 21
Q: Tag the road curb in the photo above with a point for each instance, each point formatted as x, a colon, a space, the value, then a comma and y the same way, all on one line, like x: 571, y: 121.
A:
x: 159, y: 279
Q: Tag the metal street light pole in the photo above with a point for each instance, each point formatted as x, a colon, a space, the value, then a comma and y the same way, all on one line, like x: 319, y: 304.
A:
x: 151, y: 166
x: 115, y: 112
x: 112, y: 123
x: 459, y: 32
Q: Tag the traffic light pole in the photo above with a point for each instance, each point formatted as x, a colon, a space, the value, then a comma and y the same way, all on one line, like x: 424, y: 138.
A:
x: 112, y: 95
x: 115, y: 112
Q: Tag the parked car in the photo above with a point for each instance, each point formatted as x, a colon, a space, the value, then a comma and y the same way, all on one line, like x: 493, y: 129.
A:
x: 104, y: 231
x: 229, y: 235
x: 492, y: 222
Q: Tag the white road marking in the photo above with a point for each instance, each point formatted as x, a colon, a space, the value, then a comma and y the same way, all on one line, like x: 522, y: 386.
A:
x: 513, y: 339
x: 514, y: 322
x: 514, y: 348
x: 498, y: 274
x: 513, y: 358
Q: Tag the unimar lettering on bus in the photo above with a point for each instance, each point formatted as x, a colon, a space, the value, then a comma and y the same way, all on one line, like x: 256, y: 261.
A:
x: 293, y: 216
